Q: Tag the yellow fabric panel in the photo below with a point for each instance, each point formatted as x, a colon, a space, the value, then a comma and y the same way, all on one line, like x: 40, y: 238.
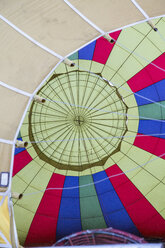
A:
x: 140, y: 167
x: 24, y: 219
x: 157, y: 199
x: 4, y: 220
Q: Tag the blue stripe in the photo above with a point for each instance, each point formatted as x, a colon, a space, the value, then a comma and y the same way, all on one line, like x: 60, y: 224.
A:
x: 150, y: 127
x: 113, y: 210
x: 69, y: 219
x: 153, y: 92
x: 66, y: 227
x: 125, y: 223
x: 18, y: 150
x: 87, y: 51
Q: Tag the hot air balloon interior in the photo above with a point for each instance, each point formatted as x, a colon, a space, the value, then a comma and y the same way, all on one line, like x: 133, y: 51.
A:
x: 82, y: 140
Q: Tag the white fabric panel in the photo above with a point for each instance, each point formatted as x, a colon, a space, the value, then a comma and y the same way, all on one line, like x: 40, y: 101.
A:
x: 109, y: 14
x: 12, y: 106
x: 50, y: 22
x: 22, y: 64
x: 152, y: 7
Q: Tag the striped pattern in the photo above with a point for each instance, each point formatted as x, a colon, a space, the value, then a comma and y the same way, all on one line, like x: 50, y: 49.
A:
x: 127, y: 192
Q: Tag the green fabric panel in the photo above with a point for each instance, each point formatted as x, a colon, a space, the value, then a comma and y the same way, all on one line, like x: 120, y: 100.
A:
x: 73, y: 56
x: 93, y: 223
x: 153, y: 111
x: 19, y: 135
x: 91, y: 214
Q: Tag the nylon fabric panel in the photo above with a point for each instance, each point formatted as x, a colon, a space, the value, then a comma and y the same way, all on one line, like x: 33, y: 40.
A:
x: 154, y: 93
x: 103, y: 48
x: 31, y: 181
x: 74, y: 56
x: 150, y: 127
x: 47, y: 214
x: 5, y: 220
x: 107, y: 15
x: 69, y: 214
x: 142, y: 213
x: 87, y: 51
x: 52, y: 23
x: 11, y: 118
x: 20, y: 161
x: 153, y: 111
x: 18, y: 149
x: 151, y: 144
x: 113, y: 210
x: 148, y: 75
x: 5, y: 155
x: 26, y: 65
x: 89, y: 205
x: 148, y: 7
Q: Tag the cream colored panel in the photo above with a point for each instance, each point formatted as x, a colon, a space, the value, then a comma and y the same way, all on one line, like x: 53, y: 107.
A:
x: 5, y: 156
x: 22, y: 64
x: 50, y: 22
x: 109, y: 14
x: 152, y: 7
x: 12, y: 106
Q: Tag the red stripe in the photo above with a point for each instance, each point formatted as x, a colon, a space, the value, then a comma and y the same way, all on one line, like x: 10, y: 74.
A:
x: 151, y: 144
x: 148, y: 221
x: 103, y: 48
x: 20, y: 161
x: 148, y: 75
x: 43, y: 227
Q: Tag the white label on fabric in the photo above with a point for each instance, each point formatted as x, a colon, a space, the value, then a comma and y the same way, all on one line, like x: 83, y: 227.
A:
x: 4, y: 179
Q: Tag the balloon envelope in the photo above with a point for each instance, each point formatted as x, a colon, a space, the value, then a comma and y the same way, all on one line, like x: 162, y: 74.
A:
x: 96, y: 146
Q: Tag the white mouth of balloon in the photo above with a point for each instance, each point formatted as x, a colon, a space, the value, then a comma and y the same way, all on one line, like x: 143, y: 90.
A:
x: 81, y: 111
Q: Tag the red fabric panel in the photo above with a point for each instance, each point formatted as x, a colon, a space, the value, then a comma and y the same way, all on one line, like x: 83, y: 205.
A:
x: 103, y: 48
x: 43, y: 227
x: 148, y: 221
x: 20, y: 161
x: 148, y: 75
x: 151, y: 144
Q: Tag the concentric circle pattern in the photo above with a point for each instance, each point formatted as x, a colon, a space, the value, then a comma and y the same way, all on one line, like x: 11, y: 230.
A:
x: 82, y: 123
x: 95, y: 157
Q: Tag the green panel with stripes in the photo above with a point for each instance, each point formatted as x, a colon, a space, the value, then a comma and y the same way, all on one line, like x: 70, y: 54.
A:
x: 152, y: 111
x: 74, y: 56
x: 91, y: 214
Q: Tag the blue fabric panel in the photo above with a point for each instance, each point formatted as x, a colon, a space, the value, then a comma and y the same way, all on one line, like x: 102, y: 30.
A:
x: 112, y: 208
x: 66, y: 227
x: 120, y: 220
x: 69, y: 219
x: 104, y: 185
x: 150, y: 127
x: 70, y: 199
x: 70, y: 182
x: 149, y: 92
x: 18, y: 150
x: 87, y: 52
x: 153, y: 92
x: 160, y: 87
